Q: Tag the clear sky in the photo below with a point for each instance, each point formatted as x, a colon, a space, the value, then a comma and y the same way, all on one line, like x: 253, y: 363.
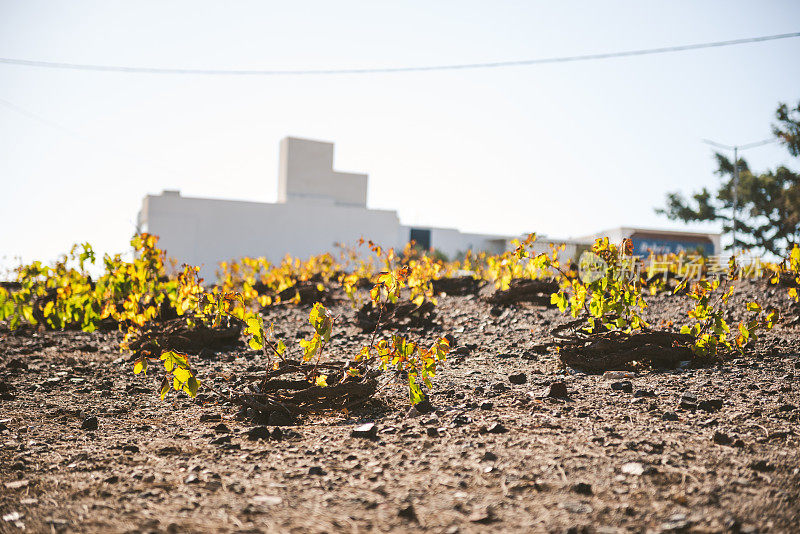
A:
x: 564, y: 150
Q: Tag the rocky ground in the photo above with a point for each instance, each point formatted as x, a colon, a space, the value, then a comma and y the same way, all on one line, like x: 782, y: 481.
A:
x: 86, y: 446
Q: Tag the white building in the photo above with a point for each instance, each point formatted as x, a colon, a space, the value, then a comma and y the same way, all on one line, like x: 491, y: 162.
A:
x: 317, y: 208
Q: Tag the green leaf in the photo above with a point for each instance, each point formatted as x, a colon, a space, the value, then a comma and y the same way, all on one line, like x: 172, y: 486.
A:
x: 173, y: 360
x: 164, y: 388
x: 140, y: 366
x: 310, y: 347
x: 415, y: 393
x: 183, y: 380
x: 255, y: 328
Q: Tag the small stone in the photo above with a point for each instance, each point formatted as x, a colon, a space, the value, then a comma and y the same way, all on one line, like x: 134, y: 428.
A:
x: 432, y: 432
x: 113, y: 479
x: 425, y: 406
x: 518, y: 378
x: 461, y: 420
x: 582, y: 488
x: 413, y: 412
x: 90, y: 423
x: 558, y: 390
x: 192, y: 479
x: 12, y: 517
x: 633, y: 468
x: 222, y: 428
x: 669, y: 416
x: 277, y: 433
x: 675, y: 523
x: 721, y: 438
x: 408, y: 513
x: 222, y: 440
x: 489, y: 456
x: 625, y: 386
x: 644, y: 393
x: 267, y: 500
x: 710, y: 405
x: 257, y: 433
x: 762, y: 466
x: 496, y: 428
x: 316, y: 470
x: 688, y: 402
x: 367, y: 430
x: 482, y: 517
x: 486, y: 405
x: 130, y: 448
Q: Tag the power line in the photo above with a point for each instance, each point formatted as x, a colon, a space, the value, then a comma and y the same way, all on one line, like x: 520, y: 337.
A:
x: 383, y: 70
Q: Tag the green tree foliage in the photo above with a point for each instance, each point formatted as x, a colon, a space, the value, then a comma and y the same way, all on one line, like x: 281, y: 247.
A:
x: 769, y: 202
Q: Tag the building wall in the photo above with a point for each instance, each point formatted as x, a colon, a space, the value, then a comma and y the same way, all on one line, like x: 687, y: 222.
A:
x: 206, y: 231
x: 306, y: 173
x: 453, y: 243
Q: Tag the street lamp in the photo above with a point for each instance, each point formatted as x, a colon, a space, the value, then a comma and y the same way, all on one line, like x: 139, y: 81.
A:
x: 736, y: 149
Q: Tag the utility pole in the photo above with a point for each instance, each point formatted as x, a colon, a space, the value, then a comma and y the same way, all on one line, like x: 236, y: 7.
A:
x: 736, y: 149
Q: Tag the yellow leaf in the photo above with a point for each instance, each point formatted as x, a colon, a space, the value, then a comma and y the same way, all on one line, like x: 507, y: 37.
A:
x: 322, y: 381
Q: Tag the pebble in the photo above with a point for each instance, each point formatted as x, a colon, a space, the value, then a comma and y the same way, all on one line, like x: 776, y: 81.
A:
x: 267, y: 500
x: 688, y: 402
x: 90, y: 423
x: 669, y: 416
x: 675, y: 523
x: 762, y: 466
x: 489, y: 456
x: 558, y: 390
x: 518, y: 378
x: 721, y: 438
x: 582, y: 488
x: 367, y: 430
x: 616, y: 375
x: 486, y: 405
x: 316, y: 470
x: 710, y: 405
x: 258, y: 432
x: 625, y: 386
x: 461, y: 420
x: 222, y: 428
x: 408, y: 513
x: 482, y: 516
x: 496, y: 428
x: 633, y: 468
